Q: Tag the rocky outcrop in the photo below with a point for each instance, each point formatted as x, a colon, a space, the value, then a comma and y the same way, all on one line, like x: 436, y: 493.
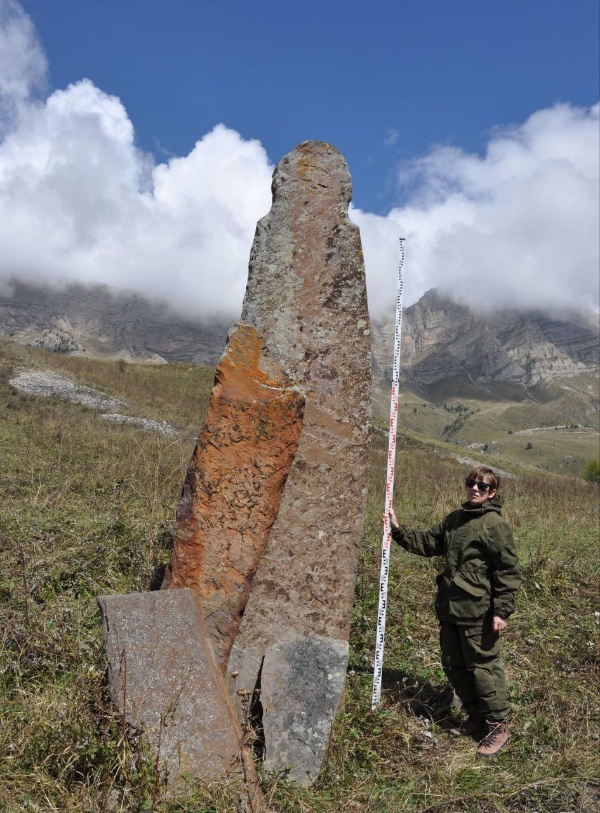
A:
x: 234, y: 483
x: 443, y: 341
x: 306, y: 297
x: 105, y: 323
x: 58, y: 341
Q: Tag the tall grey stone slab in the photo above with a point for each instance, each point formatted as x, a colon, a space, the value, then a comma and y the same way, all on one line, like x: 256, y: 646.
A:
x: 302, y: 683
x: 306, y: 297
x: 164, y: 678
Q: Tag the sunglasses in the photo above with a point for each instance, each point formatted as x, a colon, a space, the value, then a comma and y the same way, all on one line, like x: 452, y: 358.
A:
x: 483, y: 487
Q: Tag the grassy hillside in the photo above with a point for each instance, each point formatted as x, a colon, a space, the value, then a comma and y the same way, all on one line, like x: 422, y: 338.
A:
x: 88, y: 508
x: 558, y: 433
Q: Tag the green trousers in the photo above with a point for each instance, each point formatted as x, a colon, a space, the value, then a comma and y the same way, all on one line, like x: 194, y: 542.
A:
x: 472, y: 663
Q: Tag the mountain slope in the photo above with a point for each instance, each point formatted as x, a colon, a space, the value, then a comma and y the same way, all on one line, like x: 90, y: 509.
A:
x: 517, y: 386
x: 448, y: 350
x: 103, y: 323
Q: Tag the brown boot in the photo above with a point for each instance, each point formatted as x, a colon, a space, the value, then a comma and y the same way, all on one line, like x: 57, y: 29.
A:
x: 474, y: 726
x: 494, y: 740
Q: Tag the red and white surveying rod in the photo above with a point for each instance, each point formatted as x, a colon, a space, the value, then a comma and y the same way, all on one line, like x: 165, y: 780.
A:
x: 389, y: 493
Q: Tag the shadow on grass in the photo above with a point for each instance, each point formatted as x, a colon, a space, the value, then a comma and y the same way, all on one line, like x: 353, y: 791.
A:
x: 419, y: 697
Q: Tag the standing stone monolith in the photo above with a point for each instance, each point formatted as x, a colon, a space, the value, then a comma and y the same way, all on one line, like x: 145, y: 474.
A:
x: 306, y: 298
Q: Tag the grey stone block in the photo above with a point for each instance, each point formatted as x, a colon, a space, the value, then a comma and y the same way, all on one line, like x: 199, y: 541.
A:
x: 164, y: 679
x: 302, y: 682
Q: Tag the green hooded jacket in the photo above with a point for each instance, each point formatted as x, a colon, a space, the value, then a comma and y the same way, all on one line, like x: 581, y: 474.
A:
x: 481, y: 576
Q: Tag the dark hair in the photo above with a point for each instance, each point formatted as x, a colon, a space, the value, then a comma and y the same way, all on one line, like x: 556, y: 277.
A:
x: 484, y: 471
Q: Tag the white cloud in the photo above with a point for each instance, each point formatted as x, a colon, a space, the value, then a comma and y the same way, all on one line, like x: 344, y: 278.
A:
x: 22, y: 61
x: 79, y: 201
x: 517, y: 227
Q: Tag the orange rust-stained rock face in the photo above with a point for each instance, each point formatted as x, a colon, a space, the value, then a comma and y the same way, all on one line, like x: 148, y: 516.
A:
x: 234, y: 483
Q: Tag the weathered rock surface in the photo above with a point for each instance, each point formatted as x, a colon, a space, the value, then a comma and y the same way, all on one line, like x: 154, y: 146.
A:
x: 306, y: 297
x: 105, y: 323
x: 302, y: 682
x: 233, y: 486
x: 444, y: 341
x: 164, y: 678
x: 58, y: 341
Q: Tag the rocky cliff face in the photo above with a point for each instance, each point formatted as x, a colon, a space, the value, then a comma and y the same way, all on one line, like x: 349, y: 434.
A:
x: 443, y: 341
x: 93, y: 319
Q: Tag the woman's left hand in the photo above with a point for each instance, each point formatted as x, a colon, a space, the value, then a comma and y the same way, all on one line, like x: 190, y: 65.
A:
x: 498, y: 624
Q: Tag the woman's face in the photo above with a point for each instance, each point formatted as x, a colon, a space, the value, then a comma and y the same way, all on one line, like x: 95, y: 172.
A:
x: 477, y: 493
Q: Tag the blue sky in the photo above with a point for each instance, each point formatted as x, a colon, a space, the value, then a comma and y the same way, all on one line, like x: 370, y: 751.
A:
x: 382, y: 81
x: 469, y: 127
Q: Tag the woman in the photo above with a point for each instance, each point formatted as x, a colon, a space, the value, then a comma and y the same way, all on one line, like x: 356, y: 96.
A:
x: 476, y: 596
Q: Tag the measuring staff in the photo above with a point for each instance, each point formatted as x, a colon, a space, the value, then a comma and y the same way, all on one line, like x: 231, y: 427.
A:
x: 389, y: 492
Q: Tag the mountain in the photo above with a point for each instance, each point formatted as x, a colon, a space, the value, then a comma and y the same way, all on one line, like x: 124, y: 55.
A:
x: 95, y: 320
x: 508, y: 386
x: 449, y: 350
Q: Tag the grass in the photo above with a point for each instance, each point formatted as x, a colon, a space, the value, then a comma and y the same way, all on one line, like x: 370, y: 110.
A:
x: 559, y: 436
x: 88, y: 508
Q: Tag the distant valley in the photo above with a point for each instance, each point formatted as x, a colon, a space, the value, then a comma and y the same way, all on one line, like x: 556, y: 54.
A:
x: 510, y: 385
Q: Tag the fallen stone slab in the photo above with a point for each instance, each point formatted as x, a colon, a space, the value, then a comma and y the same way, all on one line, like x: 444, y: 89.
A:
x: 301, y: 688
x: 234, y: 483
x: 165, y: 680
